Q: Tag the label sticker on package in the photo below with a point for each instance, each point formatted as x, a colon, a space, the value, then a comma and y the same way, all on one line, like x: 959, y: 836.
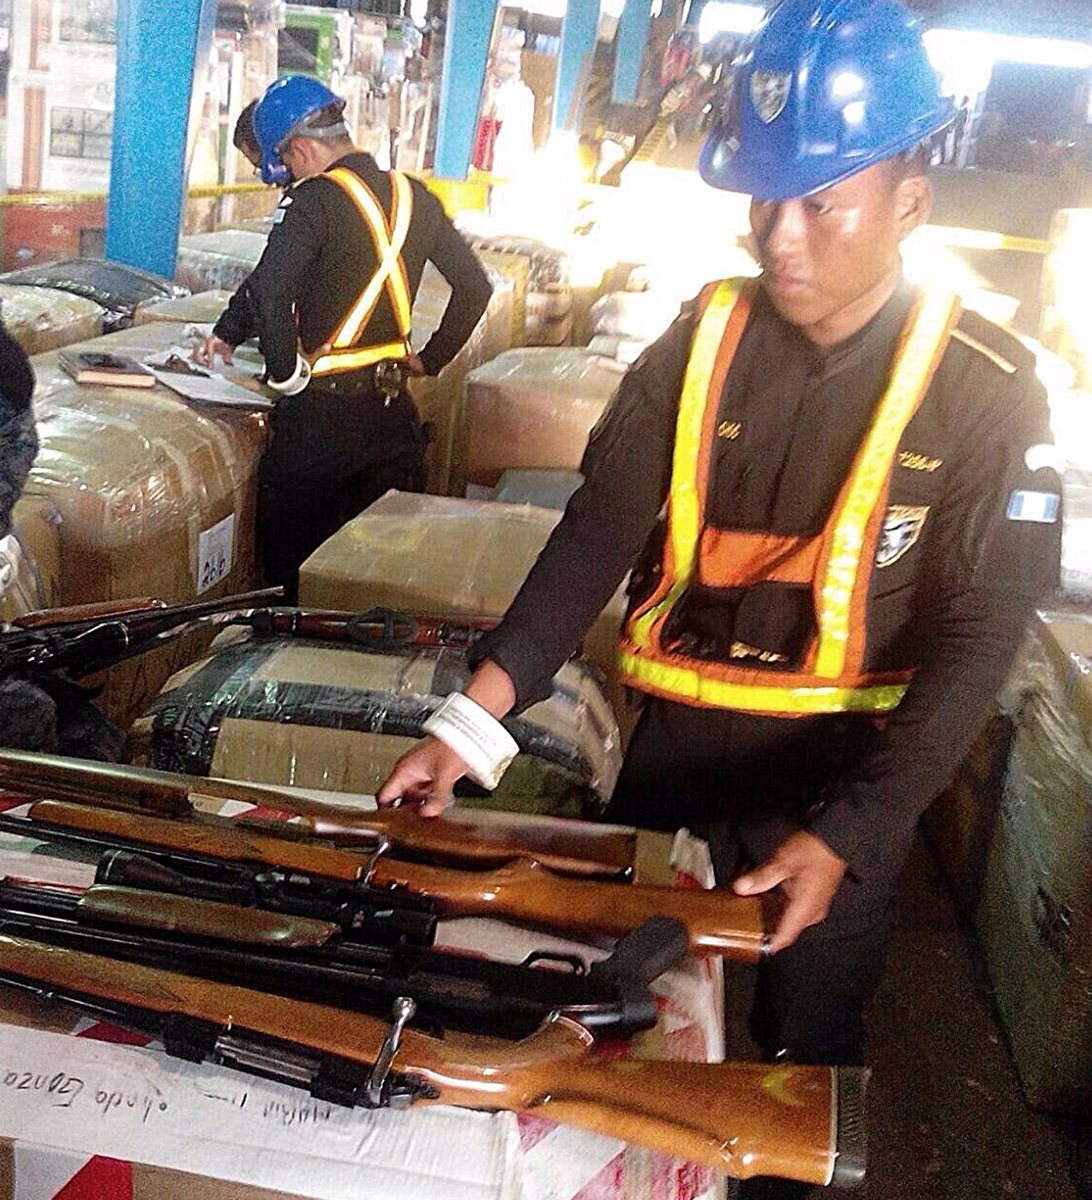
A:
x: 214, y: 548
x: 1041, y: 507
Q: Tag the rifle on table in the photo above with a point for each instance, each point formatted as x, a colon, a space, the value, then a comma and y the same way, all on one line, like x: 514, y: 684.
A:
x: 86, y: 638
x: 479, y: 838
x: 378, y: 629
x: 717, y: 922
x: 799, y: 1122
x: 123, y: 915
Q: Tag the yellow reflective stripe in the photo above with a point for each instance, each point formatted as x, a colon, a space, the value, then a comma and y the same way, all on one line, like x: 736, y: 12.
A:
x: 908, y: 380
x: 684, y: 511
x: 388, y: 248
x: 689, y: 684
x: 351, y: 360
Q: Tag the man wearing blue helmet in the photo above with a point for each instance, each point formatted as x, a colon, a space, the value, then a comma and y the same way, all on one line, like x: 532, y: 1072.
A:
x: 331, y: 302
x: 840, y: 500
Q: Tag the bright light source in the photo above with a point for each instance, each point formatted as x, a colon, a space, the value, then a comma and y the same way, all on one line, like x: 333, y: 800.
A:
x: 717, y: 17
x: 946, y: 46
x: 854, y: 112
x: 418, y: 12
x: 846, y: 84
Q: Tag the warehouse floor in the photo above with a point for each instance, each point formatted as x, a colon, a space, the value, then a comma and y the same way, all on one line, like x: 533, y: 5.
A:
x: 948, y: 1121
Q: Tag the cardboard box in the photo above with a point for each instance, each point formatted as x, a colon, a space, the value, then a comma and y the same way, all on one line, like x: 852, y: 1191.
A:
x: 42, y: 319
x: 155, y: 497
x: 1034, y: 918
x: 444, y: 555
x: 534, y: 408
x: 338, y: 717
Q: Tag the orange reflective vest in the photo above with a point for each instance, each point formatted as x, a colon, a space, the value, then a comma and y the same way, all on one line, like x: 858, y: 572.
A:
x: 837, y: 562
x: 388, y: 237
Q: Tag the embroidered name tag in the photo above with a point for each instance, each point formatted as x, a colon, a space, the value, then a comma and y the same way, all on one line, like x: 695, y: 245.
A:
x: 1041, y: 507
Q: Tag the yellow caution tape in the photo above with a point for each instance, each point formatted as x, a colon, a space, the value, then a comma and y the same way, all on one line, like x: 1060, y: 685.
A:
x: 53, y: 199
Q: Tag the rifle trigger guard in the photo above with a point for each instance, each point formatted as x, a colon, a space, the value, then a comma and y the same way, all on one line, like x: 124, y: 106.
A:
x: 578, y: 965
x: 404, y: 1008
x: 360, y: 628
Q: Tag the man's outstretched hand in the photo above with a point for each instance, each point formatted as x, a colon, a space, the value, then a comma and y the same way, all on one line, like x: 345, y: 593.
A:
x: 423, y: 779
x: 809, y: 873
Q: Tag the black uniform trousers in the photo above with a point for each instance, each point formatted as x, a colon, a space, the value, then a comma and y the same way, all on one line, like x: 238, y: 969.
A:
x: 335, y: 448
x: 745, y: 783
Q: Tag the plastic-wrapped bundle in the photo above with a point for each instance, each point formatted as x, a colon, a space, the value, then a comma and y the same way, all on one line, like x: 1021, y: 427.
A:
x: 30, y: 558
x: 444, y: 555
x: 41, y: 319
x: 1034, y: 918
x: 202, y: 308
x: 643, y: 315
x: 156, y: 497
x: 535, y: 408
x: 339, y: 717
x: 218, y: 260
x: 549, y: 298
x: 115, y: 287
x: 544, y: 489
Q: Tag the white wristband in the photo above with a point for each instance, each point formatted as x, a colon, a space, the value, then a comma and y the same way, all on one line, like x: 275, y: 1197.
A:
x: 295, y: 382
x: 478, y: 738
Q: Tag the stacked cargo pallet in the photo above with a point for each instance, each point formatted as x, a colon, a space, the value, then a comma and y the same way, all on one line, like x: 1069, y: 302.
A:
x: 154, y: 497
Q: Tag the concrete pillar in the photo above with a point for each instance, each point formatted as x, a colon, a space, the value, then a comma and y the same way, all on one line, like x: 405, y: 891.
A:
x: 629, y: 50
x: 577, y: 46
x: 163, y: 48
x: 466, y: 51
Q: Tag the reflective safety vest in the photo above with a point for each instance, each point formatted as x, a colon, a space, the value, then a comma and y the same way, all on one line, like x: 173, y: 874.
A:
x: 388, y: 237
x: 837, y: 562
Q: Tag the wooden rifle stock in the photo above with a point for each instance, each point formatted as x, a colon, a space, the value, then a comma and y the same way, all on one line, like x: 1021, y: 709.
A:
x: 77, y: 614
x: 718, y: 922
x: 742, y: 1119
x: 484, y: 839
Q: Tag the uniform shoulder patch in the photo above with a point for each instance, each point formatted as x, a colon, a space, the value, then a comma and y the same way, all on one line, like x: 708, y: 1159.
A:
x: 993, y: 343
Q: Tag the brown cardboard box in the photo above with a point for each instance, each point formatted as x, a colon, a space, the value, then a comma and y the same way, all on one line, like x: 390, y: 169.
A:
x: 339, y: 717
x: 534, y: 408
x: 1034, y: 918
x: 156, y: 498
x: 444, y: 555
x: 42, y: 319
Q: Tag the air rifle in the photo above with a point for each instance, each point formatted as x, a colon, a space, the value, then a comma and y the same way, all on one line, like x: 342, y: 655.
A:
x: 799, y: 1122
x: 717, y: 922
x: 464, y: 837
x: 307, y: 958
x: 90, y: 637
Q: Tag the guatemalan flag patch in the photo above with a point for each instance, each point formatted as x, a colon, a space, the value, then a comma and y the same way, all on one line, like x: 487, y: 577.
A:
x: 1041, y: 507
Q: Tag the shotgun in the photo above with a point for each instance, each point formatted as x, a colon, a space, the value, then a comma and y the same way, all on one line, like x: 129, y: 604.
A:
x: 717, y: 922
x: 479, y: 838
x: 745, y: 1119
x: 307, y: 958
x: 90, y: 637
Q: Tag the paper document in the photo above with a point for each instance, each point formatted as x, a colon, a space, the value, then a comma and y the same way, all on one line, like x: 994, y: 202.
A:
x: 236, y: 385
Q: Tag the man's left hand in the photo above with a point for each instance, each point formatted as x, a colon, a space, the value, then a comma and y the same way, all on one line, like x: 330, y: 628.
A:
x: 809, y: 872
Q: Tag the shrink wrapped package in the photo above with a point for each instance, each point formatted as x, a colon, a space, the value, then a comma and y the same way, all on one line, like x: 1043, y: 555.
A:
x: 41, y: 319
x: 202, y: 308
x: 1034, y: 917
x: 642, y: 315
x: 156, y: 498
x: 446, y: 555
x: 544, y: 489
x: 339, y: 717
x: 1077, y: 533
x: 515, y: 267
x: 218, y: 260
x: 30, y: 558
x: 534, y: 408
x: 115, y: 287
x: 549, y: 298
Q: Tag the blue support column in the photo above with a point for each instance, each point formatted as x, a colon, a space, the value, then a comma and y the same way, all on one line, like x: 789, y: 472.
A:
x: 163, y: 47
x: 577, y: 45
x: 629, y: 50
x: 466, y: 51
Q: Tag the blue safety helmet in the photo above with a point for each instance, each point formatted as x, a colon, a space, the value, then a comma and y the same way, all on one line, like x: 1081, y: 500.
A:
x: 824, y: 89
x: 284, y: 110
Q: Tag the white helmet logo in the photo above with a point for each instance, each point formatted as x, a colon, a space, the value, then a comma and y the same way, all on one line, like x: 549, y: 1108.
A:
x: 770, y: 93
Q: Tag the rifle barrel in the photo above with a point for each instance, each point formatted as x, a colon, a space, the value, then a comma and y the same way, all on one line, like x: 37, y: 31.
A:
x: 742, y: 1119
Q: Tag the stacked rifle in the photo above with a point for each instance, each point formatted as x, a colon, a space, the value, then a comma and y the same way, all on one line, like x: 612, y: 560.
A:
x: 302, y: 950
